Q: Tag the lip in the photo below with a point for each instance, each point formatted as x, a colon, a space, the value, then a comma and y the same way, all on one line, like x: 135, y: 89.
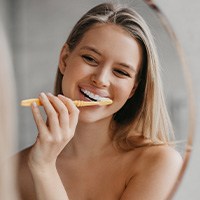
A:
x: 96, y: 91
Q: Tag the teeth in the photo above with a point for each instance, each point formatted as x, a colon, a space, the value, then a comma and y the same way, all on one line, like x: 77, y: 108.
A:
x: 94, y: 96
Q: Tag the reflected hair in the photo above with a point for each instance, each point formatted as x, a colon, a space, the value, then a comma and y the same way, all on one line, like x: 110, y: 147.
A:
x: 145, y: 112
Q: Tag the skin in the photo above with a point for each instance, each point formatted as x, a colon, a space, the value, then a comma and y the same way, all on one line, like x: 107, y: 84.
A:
x: 73, y: 156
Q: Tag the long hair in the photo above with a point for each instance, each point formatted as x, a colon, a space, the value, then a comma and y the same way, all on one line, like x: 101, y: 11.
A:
x: 144, y: 113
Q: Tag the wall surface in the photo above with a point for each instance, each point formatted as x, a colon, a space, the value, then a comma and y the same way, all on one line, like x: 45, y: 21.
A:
x: 184, y: 17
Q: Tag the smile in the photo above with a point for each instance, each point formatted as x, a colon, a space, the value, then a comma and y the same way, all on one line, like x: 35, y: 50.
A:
x: 92, y: 96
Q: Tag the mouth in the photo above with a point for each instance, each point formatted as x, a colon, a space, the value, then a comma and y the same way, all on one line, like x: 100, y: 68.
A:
x: 91, y: 96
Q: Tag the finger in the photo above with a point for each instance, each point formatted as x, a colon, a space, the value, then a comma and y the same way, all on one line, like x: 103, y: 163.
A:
x: 51, y: 113
x: 72, y: 109
x: 61, y: 109
x: 41, y: 126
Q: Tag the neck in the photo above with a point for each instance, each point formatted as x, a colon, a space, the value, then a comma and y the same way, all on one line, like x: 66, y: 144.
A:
x: 90, y: 139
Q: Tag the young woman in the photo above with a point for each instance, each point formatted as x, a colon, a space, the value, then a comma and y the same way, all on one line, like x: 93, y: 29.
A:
x: 118, y: 151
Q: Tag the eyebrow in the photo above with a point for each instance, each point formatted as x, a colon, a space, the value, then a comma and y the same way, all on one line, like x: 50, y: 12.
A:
x: 91, y: 49
x: 127, y: 66
x: 97, y: 52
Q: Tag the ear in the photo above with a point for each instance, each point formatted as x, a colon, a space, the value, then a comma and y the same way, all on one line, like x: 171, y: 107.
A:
x: 133, y: 90
x: 63, y: 58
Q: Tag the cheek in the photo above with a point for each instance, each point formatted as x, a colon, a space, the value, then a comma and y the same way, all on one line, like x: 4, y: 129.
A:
x: 74, y: 73
x: 67, y: 81
x: 124, y: 90
x: 77, y: 68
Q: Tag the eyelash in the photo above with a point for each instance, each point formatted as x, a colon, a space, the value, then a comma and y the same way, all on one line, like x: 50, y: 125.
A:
x: 92, y: 61
x: 89, y: 59
x: 122, y: 73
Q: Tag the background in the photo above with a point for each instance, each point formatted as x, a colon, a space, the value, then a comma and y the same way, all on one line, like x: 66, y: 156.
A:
x: 37, y: 30
x: 184, y: 16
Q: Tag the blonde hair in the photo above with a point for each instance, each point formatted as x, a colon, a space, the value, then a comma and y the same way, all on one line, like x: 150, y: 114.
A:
x: 144, y: 113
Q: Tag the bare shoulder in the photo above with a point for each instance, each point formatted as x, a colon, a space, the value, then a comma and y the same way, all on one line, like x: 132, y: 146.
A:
x: 21, y: 158
x: 160, y: 156
x: 24, y: 179
x: 155, y: 171
x: 163, y: 154
x: 23, y: 153
x: 160, y: 159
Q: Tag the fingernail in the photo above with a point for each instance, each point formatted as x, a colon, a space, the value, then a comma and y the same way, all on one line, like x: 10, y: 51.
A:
x: 42, y: 94
x: 49, y: 94
x: 34, y: 104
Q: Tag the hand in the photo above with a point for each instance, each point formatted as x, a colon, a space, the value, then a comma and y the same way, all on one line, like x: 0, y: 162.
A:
x: 53, y: 136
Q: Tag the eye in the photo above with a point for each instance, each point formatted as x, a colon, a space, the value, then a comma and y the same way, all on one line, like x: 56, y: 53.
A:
x: 121, y: 73
x: 90, y: 60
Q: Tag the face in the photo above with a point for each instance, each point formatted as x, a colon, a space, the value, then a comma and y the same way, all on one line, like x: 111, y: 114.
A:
x: 103, y: 65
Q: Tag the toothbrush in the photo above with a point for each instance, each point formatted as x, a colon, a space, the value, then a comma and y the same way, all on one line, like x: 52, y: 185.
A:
x: 78, y: 103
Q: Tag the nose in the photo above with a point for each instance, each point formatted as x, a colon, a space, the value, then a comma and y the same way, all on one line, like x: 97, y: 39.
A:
x: 101, y: 78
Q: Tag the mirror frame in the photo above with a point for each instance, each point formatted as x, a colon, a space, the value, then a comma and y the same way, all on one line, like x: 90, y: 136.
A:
x: 189, y: 90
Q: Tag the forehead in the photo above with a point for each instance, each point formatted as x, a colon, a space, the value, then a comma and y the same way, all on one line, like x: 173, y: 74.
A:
x: 112, y: 40
x: 109, y: 33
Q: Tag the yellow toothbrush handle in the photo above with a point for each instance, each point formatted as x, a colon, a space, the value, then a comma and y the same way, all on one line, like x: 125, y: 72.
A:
x: 28, y: 102
x: 78, y: 103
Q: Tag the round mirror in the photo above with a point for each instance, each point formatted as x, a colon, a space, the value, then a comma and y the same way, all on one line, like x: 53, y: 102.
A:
x: 38, y: 30
x: 179, y: 91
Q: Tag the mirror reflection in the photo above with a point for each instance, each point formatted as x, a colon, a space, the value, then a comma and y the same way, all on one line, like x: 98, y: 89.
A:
x: 37, y: 38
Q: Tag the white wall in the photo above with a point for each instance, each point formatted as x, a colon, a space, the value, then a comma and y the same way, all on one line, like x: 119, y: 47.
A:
x: 184, y: 16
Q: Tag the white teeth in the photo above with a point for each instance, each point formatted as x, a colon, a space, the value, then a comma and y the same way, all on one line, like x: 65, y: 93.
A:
x: 94, y: 96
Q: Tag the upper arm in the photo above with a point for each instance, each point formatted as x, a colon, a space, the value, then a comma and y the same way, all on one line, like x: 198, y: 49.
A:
x: 156, y: 177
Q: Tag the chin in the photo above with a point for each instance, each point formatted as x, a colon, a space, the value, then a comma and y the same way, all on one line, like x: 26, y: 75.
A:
x: 92, y: 118
x: 88, y: 119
